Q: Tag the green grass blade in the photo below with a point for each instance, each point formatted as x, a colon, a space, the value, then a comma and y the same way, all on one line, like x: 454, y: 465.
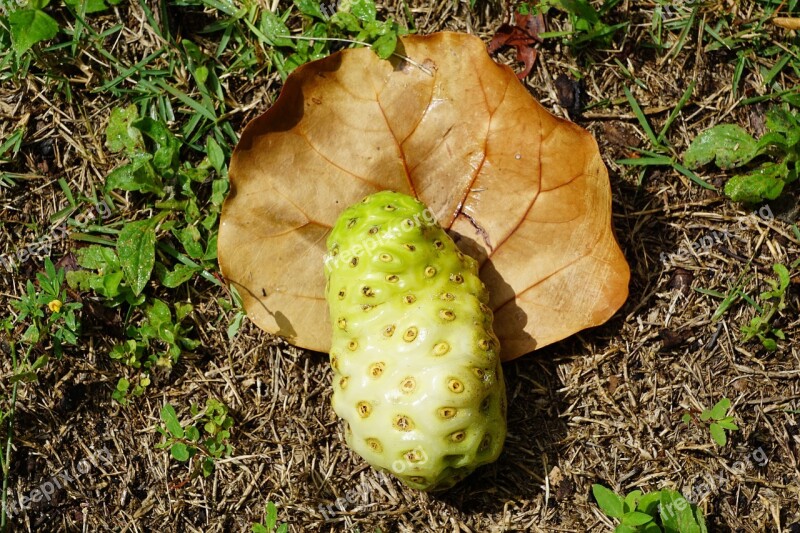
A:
x: 183, y: 97
x: 692, y: 176
x: 637, y: 111
x: 646, y: 161
x: 674, y: 114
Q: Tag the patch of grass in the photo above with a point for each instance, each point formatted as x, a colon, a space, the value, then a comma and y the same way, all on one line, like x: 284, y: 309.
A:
x: 176, y: 243
x: 46, y: 321
x: 734, y: 32
x: 588, y: 26
x: 660, y: 152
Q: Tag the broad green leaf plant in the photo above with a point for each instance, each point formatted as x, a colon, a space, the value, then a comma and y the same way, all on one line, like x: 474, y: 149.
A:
x: 663, y: 511
x: 729, y: 146
x: 30, y: 24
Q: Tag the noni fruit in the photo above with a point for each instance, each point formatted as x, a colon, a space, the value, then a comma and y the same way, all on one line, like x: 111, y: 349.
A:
x: 417, y: 376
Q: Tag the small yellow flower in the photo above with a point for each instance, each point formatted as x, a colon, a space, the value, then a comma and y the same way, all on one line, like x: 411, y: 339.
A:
x: 55, y: 306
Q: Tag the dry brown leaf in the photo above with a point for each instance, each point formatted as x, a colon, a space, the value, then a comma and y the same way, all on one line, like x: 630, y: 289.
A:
x: 522, y: 191
x: 790, y: 23
x: 523, y: 36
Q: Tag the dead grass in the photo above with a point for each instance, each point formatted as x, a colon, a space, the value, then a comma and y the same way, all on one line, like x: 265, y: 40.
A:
x: 601, y: 407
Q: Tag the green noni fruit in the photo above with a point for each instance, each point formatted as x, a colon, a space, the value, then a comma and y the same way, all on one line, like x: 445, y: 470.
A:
x: 417, y: 376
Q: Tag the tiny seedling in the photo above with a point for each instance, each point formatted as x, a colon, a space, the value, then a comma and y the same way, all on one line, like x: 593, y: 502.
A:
x: 208, y: 436
x: 270, y: 524
x: 664, y: 511
x: 773, y: 302
x: 729, y: 146
x: 234, y: 304
x: 718, y: 420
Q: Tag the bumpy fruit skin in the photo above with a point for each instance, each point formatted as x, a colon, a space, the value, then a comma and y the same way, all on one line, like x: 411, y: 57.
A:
x: 417, y: 376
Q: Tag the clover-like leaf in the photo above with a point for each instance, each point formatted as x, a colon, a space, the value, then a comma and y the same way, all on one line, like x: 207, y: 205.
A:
x: 521, y: 191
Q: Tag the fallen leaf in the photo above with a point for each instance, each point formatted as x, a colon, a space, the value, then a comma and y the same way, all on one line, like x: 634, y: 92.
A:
x: 789, y: 23
x: 671, y: 339
x: 681, y: 279
x: 613, y: 384
x: 523, y: 192
x: 570, y: 94
x: 522, y: 36
x: 565, y: 489
x: 555, y: 476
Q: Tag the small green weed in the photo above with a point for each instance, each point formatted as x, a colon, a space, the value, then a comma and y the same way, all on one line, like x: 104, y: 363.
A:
x: 773, y: 301
x: 171, y: 247
x: 660, y: 152
x: 158, y: 341
x: 208, y: 436
x: 354, y: 22
x: 655, y: 512
x: 730, y: 146
x: 49, y: 314
x: 270, y: 523
x: 717, y: 419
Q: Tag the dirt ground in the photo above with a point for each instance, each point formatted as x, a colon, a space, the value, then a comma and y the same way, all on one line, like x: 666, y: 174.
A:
x: 603, y: 406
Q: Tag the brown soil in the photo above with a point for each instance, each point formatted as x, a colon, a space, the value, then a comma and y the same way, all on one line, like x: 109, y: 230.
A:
x: 603, y: 406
